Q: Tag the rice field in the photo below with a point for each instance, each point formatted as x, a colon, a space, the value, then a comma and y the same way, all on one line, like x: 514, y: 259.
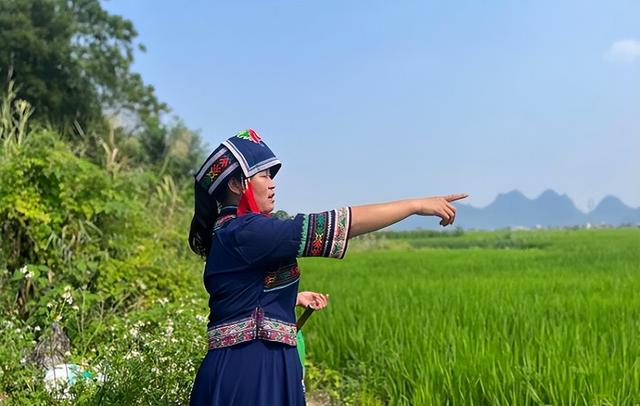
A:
x: 517, y: 318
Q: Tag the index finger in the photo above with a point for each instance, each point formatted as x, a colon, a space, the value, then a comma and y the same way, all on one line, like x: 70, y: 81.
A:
x: 453, y: 198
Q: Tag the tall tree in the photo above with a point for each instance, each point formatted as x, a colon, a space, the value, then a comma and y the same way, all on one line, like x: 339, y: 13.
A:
x: 72, y: 60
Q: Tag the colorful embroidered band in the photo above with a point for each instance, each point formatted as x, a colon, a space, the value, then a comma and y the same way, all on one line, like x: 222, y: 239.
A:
x: 281, y: 277
x: 220, y: 164
x: 256, y: 326
x: 325, y: 234
x: 222, y: 220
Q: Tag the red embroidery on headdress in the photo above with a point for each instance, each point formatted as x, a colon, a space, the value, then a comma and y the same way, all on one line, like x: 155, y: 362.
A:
x: 254, y: 136
x: 220, y: 165
x: 250, y: 135
x: 216, y: 169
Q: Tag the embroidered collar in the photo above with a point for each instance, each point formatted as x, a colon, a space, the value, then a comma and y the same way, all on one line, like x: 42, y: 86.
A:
x: 231, y: 209
x: 226, y: 213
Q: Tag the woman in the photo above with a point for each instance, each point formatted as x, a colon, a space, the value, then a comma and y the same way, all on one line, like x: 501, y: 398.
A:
x: 251, y: 273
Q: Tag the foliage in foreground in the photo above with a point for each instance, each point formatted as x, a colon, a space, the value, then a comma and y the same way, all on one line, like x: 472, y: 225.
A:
x: 103, y: 253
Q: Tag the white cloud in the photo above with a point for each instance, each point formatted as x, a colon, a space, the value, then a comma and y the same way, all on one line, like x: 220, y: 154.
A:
x: 627, y: 50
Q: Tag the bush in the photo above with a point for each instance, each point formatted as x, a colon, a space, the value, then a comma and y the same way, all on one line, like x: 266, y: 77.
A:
x: 97, y: 252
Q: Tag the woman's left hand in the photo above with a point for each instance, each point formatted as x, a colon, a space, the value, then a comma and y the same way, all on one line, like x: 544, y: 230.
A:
x: 316, y: 301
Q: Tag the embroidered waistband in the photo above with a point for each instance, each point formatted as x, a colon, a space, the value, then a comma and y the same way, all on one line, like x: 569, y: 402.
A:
x: 256, y: 326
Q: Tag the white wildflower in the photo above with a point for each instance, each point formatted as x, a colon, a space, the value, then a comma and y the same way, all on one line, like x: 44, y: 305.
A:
x: 36, y: 328
x: 26, y: 272
x: 67, y: 296
x: 58, y: 317
x: 132, y: 354
x: 142, y: 285
x: 49, y: 305
x: 75, y: 307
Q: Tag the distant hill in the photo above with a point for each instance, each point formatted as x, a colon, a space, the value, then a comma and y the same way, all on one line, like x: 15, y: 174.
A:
x: 611, y: 210
x: 550, y: 209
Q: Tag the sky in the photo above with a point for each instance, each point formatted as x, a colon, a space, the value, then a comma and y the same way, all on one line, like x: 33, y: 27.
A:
x: 370, y: 101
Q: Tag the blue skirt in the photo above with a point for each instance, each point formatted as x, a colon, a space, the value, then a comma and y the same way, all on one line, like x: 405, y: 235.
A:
x: 256, y: 373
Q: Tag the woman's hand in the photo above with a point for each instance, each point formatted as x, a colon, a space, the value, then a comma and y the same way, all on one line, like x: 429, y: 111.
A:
x: 373, y: 217
x: 439, y: 206
x: 316, y: 301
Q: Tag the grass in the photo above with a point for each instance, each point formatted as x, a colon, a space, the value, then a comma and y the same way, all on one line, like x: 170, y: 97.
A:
x: 519, y: 318
x: 423, y: 318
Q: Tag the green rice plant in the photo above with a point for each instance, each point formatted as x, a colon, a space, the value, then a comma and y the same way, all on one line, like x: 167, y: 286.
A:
x: 551, y: 320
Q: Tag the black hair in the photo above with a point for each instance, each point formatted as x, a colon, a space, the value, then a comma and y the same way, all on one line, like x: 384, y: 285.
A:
x: 205, y: 215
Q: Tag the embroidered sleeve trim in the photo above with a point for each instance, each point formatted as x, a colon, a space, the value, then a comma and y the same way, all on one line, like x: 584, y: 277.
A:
x: 303, y: 234
x: 325, y: 234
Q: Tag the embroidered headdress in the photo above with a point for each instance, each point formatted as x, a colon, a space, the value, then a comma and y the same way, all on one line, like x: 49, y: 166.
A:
x: 245, y: 151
